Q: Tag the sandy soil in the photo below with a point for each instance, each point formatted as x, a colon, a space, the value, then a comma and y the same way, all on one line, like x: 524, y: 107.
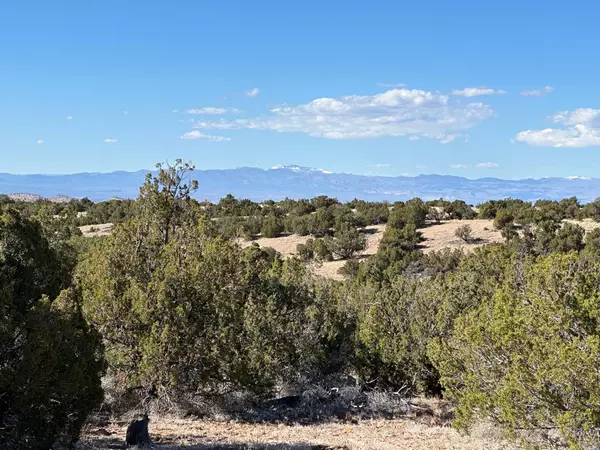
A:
x: 439, y: 236
x: 436, y: 237
x: 587, y: 224
x: 364, y: 435
x: 102, y: 229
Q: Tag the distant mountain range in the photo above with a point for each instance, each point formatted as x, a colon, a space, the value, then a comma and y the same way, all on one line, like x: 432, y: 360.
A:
x: 302, y: 182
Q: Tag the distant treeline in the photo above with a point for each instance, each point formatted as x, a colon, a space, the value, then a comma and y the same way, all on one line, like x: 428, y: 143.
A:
x: 171, y: 311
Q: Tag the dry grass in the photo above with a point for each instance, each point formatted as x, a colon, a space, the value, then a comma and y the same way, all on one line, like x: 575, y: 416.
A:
x: 173, y: 434
x: 587, y: 224
x: 440, y: 236
x: 102, y: 229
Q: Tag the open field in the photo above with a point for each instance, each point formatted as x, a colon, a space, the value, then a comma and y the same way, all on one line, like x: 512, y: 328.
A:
x: 436, y: 237
x: 365, y: 435
x: 101, y: 229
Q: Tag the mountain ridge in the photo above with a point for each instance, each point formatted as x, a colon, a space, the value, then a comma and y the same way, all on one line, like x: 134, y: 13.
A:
x: 295, y: 181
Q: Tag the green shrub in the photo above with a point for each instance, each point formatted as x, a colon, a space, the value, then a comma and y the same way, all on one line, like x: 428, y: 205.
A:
x: 271, y: 227
x: 503, y: 219
x: 51, y: 360
x: 464, y: 232
x: 320, y: 223
x: 394, y: 328
x: 323, y: 250
x: 347, y: 242
x: 527, y: 357
x: 306, y: 251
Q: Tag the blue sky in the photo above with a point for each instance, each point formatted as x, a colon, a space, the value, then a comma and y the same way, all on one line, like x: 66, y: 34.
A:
x: 381, y: 87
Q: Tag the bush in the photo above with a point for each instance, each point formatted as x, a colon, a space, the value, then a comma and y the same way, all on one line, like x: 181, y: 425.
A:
x: 306, y: 251
x: 464, y: 232
x: 320, y: 223
x: 188, y: 314
x: 394, y: 329
x: 503, y: 219
x: 527, y: 357
x: 568, y: 238
x: 300, y: 225
x: 323, y: 250
x: 52, y: 360
x: 271, y: 227
x: 347, y: 241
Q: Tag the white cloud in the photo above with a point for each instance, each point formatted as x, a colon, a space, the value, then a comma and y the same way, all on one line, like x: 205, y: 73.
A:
x: 420, y: 166
x: 110, y: 141
x: 414, y: 138
x: 396, y: 112
x: 582, y: 129
x: 253, y: 92
x: 207, y: 110
x: 577, y: 137
x: 582, y: 116
x: 391, y: 85
x: 39, y: 141
x: 474, y: 92
x: 487, y: 165
x: 381, y: 166
x: 198, y: 135
x: 538, y: 92
x: 69, y: 117
x: 459, y: 166
x: 449, y: 138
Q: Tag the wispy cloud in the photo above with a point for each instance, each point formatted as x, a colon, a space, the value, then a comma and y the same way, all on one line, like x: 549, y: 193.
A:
x: 253, y: 92
x: 207, y: 110
x: 69, y: 117
x: 477, y: 91
x: 459, y: 166
x: 391, y: 85
x: 449, y: 138
x: 208, y: 137
x: 380, y: 166
x: 538, y: 92
x: 420, y: 166
x: 39, y: 141
x: 110, y: 141
x: 487, y: 165
x: 396, y: 112
x: 581, y: 128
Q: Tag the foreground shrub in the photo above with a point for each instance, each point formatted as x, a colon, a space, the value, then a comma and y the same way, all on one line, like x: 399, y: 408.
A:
x: 50, y: 359
x: 188, y: 314
x: 527, y: 357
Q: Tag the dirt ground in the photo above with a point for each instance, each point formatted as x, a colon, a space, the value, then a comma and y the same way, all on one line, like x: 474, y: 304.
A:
x: 365, y: 435
x: 101, y: 229
x: 440, y: 236
x: 436, y: 237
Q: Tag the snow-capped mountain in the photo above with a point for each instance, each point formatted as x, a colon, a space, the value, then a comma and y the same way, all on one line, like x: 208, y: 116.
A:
x: 294, y: 181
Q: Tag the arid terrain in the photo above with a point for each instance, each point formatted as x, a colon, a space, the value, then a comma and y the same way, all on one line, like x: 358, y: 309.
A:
x: 436, y: 236
x: 171, y: 434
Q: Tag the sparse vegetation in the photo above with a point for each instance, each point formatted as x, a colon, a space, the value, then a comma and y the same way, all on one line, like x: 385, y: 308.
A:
x: 184, y: 308
x: 465, y: 233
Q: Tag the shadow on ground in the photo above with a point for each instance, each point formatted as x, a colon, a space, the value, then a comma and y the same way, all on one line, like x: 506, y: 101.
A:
x: 114, y: 443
